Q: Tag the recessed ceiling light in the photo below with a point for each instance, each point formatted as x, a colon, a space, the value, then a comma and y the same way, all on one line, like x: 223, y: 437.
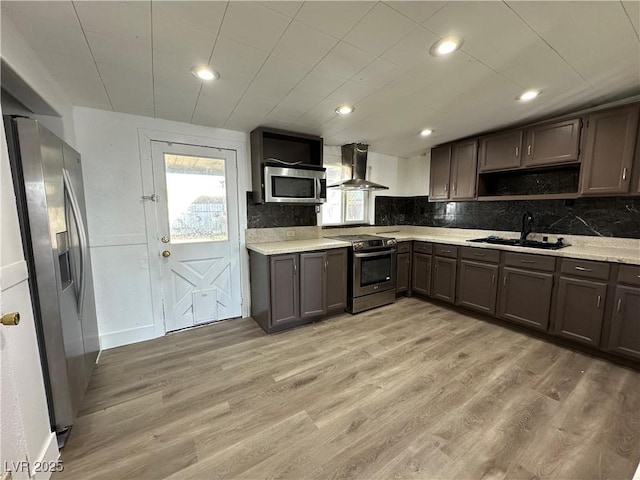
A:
x: 445, y: 46
x: 344, y: 110
x: 528, y: 95
x: 205, y: 73
x: 426, y: 132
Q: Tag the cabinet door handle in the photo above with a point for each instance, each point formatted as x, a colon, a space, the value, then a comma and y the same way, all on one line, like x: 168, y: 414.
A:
x: 619, y: 307
x: 517, y: 151
x: 436, y: 268
x: 598, y: 301
x: 624, y: 173
x: 529, y: 150
x: 325, y: 265
x: 295, y: 269
x: 493, y: 280
x: 446, y: 187
x: 479, y: 254
x: 527, y: 261
x: 455, y: 187
x: 504, y: 281
x: 583, y: 269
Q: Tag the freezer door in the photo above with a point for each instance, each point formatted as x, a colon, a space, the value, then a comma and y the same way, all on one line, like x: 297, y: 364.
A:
x: 81, y: 257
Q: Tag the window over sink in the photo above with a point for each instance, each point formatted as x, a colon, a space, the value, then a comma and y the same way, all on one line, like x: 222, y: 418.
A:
x: 343, y: 207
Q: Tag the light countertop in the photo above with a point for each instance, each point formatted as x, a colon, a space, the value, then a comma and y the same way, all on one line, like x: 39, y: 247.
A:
x: 601, y: 253
x: 293, y: 246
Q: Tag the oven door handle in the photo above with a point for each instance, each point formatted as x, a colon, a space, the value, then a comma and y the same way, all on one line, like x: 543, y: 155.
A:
x: 381, y: 253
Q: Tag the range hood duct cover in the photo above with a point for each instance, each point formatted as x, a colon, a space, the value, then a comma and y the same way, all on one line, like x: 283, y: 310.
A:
x: 354, y: 156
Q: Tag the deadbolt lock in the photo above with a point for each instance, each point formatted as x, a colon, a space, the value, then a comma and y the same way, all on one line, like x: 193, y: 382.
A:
x: 164, y: 239
x: 12, y: 318
x: 166, y: 253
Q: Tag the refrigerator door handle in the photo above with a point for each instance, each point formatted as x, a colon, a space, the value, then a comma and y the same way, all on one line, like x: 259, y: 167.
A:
x: 73, y: 201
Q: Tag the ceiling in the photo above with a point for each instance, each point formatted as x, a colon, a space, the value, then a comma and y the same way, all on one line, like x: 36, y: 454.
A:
x: 289, y: 64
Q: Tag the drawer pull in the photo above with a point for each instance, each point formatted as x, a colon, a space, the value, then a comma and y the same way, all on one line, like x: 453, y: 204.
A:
x: 527, y: 261
x: 598, y: 301
x: 446, y: 251
x: 583, y: 269
x: 619, y: 307
x: 483, y: 255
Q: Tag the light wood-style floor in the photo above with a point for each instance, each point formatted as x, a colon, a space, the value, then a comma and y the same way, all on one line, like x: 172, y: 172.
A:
x: 410, y: 390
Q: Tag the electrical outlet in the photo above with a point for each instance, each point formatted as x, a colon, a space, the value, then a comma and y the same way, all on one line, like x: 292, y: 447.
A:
x: 291, y: 233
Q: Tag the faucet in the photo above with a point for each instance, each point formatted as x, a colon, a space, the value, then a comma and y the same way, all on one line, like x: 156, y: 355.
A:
x: 527, y: 226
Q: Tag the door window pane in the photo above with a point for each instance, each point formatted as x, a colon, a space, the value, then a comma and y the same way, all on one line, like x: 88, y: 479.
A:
x: 196, y: 198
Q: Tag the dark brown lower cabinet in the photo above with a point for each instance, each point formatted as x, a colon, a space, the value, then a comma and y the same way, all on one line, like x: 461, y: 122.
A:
x: 443, y: 283
x: 313, y: 284
x: 525, y: 297
x: 477, y: 286
x: 421, y: 274
x: 624, y: 338
x: 285, y: 290
x: 336, y: 280
x: 403, y: 271
x: 580, y: 310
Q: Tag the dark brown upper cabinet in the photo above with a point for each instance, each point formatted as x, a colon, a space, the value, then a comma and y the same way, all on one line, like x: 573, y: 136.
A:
x: 609, y: 150
x: 313, y: 284
x: 440, y: 172
x: 501, y: 151
x: 291, y: 147
x: 464, y: 163
x: 552, y: 143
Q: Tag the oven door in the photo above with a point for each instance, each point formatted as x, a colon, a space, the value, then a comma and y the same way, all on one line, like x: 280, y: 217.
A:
x: 374, y: 272
x: 292, y: 185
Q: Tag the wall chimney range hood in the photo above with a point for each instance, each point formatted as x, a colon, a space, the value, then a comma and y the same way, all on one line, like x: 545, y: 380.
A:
x: 354, y: 156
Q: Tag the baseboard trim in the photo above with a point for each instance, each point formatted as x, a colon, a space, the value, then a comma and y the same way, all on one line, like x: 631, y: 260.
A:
x: 127, y: 337
x: 48, y: 457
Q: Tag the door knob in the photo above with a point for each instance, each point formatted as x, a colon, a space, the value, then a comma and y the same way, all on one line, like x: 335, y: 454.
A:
x: 164, y: 239
x: 166, y: 253
x: 12, y: 318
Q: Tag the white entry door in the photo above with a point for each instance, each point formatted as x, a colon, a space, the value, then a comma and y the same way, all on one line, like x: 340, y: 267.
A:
x: 198, y: 239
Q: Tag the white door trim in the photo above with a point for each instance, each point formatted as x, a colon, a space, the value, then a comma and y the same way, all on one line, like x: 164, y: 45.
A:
x: 145, y: 137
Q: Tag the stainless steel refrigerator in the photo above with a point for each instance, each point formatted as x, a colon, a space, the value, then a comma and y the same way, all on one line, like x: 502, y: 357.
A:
x: 47, y: 177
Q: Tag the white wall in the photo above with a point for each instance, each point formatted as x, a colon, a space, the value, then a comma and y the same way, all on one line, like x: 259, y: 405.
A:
x: 414, y: 175
x: 25, y: 432
x: 110, y: 149
x: 23, y: 61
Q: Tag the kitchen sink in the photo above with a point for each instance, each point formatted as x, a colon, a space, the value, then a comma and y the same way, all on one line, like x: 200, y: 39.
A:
x: 516, y: 242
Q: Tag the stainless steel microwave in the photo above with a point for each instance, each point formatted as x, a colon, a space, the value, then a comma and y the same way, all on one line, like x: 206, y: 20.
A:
x: 300, y: 184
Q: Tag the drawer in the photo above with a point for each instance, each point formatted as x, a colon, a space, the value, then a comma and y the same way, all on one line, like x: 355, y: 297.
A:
x: 422, y: 247
x: 629, y: 274
x: 445, y: 251
x: 581, y: 268
x: 404, y: 247
x: 528, y: 261
x: 480, y: 254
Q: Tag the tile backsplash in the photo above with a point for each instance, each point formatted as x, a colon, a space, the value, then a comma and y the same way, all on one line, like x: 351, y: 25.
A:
x: 271, y: 215
x: 607, y: 217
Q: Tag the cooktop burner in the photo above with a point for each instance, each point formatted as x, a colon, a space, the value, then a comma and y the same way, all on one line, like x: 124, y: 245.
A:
x: 367, y: 242
x: 357, y: 238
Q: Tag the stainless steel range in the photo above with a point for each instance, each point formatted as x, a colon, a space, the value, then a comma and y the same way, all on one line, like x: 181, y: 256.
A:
x: 372, y: 267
